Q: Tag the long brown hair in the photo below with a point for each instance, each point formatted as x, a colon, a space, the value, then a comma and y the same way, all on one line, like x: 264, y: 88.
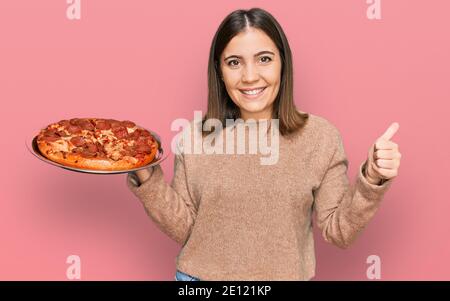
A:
x: 220, y: 106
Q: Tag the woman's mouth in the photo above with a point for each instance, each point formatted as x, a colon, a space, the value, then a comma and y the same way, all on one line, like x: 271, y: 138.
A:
x: 252, y: 93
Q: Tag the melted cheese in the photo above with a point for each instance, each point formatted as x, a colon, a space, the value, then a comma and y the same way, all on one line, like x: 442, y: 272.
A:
x: 114, y: 150
x: 131, y: 130
x: 60, y: 146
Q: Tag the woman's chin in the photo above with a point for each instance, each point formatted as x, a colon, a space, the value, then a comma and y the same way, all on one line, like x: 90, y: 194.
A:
x: 255, y: 112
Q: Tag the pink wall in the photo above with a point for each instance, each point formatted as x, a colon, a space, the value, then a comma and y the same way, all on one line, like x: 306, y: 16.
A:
x: 146, y: 61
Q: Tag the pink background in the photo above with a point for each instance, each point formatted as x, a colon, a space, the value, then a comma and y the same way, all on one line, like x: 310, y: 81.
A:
x: 146, y: 61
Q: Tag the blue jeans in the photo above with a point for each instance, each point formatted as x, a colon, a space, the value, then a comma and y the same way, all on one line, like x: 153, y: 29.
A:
x: 180, y: 276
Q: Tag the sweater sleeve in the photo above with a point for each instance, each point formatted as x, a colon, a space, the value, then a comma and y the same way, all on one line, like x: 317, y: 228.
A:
x: 171, y: 207
x: 343, y: 209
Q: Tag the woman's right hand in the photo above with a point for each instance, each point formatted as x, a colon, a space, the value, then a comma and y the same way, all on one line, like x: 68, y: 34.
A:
x: 144, y: 174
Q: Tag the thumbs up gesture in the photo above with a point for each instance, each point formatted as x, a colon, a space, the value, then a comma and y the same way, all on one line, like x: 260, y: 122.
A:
x: 384, y: 158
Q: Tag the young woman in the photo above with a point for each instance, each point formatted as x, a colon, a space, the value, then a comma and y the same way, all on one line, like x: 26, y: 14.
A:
x: 238, y: 219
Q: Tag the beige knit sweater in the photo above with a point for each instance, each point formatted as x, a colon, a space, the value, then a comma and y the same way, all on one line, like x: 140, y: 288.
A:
x: 237, y: 219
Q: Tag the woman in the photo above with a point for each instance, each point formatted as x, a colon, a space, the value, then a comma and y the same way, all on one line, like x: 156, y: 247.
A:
x: 238, y: 219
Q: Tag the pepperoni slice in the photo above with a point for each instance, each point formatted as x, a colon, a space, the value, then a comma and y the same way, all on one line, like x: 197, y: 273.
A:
x: 88, y: 154
x: 143, y: 141
x: 131, y: 152
x: 145, y: 133
x: 64, y: 123
x: 74, y: 121
x: 85, y: 124
x: 50, y: 135
x: 50, y: 138
x: 91, y: 147
x: 103, y: 125
x: 62, y: 134
x: 100, y: 147
x: 115, y: 123
x: 50, y: 132
x: 128, y: 124
x: 78, y: 141
x: 120, y: 132
x: 74, y: 129
x: 143, y: 148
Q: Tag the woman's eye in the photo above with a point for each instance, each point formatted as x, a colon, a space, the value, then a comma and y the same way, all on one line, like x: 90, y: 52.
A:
x: 233, y: 63
x: 266, y: 59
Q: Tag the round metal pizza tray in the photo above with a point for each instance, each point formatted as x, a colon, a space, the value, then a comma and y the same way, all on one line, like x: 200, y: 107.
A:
x: 160, y: 156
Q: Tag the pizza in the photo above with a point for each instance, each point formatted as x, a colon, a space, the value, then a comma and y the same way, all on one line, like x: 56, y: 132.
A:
x: 97, y: 144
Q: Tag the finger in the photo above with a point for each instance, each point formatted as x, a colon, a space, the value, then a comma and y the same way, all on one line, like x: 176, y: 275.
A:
x: 387, y: 164
x: 386, y: 154
x: 393, y: 128
x: 385, y: 144
x: 385, y: 173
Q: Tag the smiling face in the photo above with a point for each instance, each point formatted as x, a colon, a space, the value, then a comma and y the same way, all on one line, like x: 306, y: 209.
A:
x: 251, y: 69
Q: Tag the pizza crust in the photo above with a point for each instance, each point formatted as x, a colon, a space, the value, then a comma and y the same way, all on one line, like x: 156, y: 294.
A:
x: 77, y: 161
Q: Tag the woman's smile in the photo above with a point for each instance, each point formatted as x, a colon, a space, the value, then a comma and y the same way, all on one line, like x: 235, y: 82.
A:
x: 253, y: 93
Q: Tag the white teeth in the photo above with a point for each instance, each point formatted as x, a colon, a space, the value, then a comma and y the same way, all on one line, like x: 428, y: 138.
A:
x: 253, y: 92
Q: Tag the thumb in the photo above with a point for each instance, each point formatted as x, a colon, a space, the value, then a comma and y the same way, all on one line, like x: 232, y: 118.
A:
x: 393, y: 128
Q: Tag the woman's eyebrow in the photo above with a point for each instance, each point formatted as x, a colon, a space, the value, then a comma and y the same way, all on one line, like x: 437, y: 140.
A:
x: 258, y: 54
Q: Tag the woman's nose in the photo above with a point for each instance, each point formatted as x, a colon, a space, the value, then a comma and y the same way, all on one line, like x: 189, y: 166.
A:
x: 250, y: 73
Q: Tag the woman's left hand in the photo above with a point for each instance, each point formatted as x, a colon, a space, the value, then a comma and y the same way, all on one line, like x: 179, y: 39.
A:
x: 384, y: 158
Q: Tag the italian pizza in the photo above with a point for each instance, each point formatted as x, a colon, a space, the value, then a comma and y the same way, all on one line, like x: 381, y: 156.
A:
x: 97, y: 144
